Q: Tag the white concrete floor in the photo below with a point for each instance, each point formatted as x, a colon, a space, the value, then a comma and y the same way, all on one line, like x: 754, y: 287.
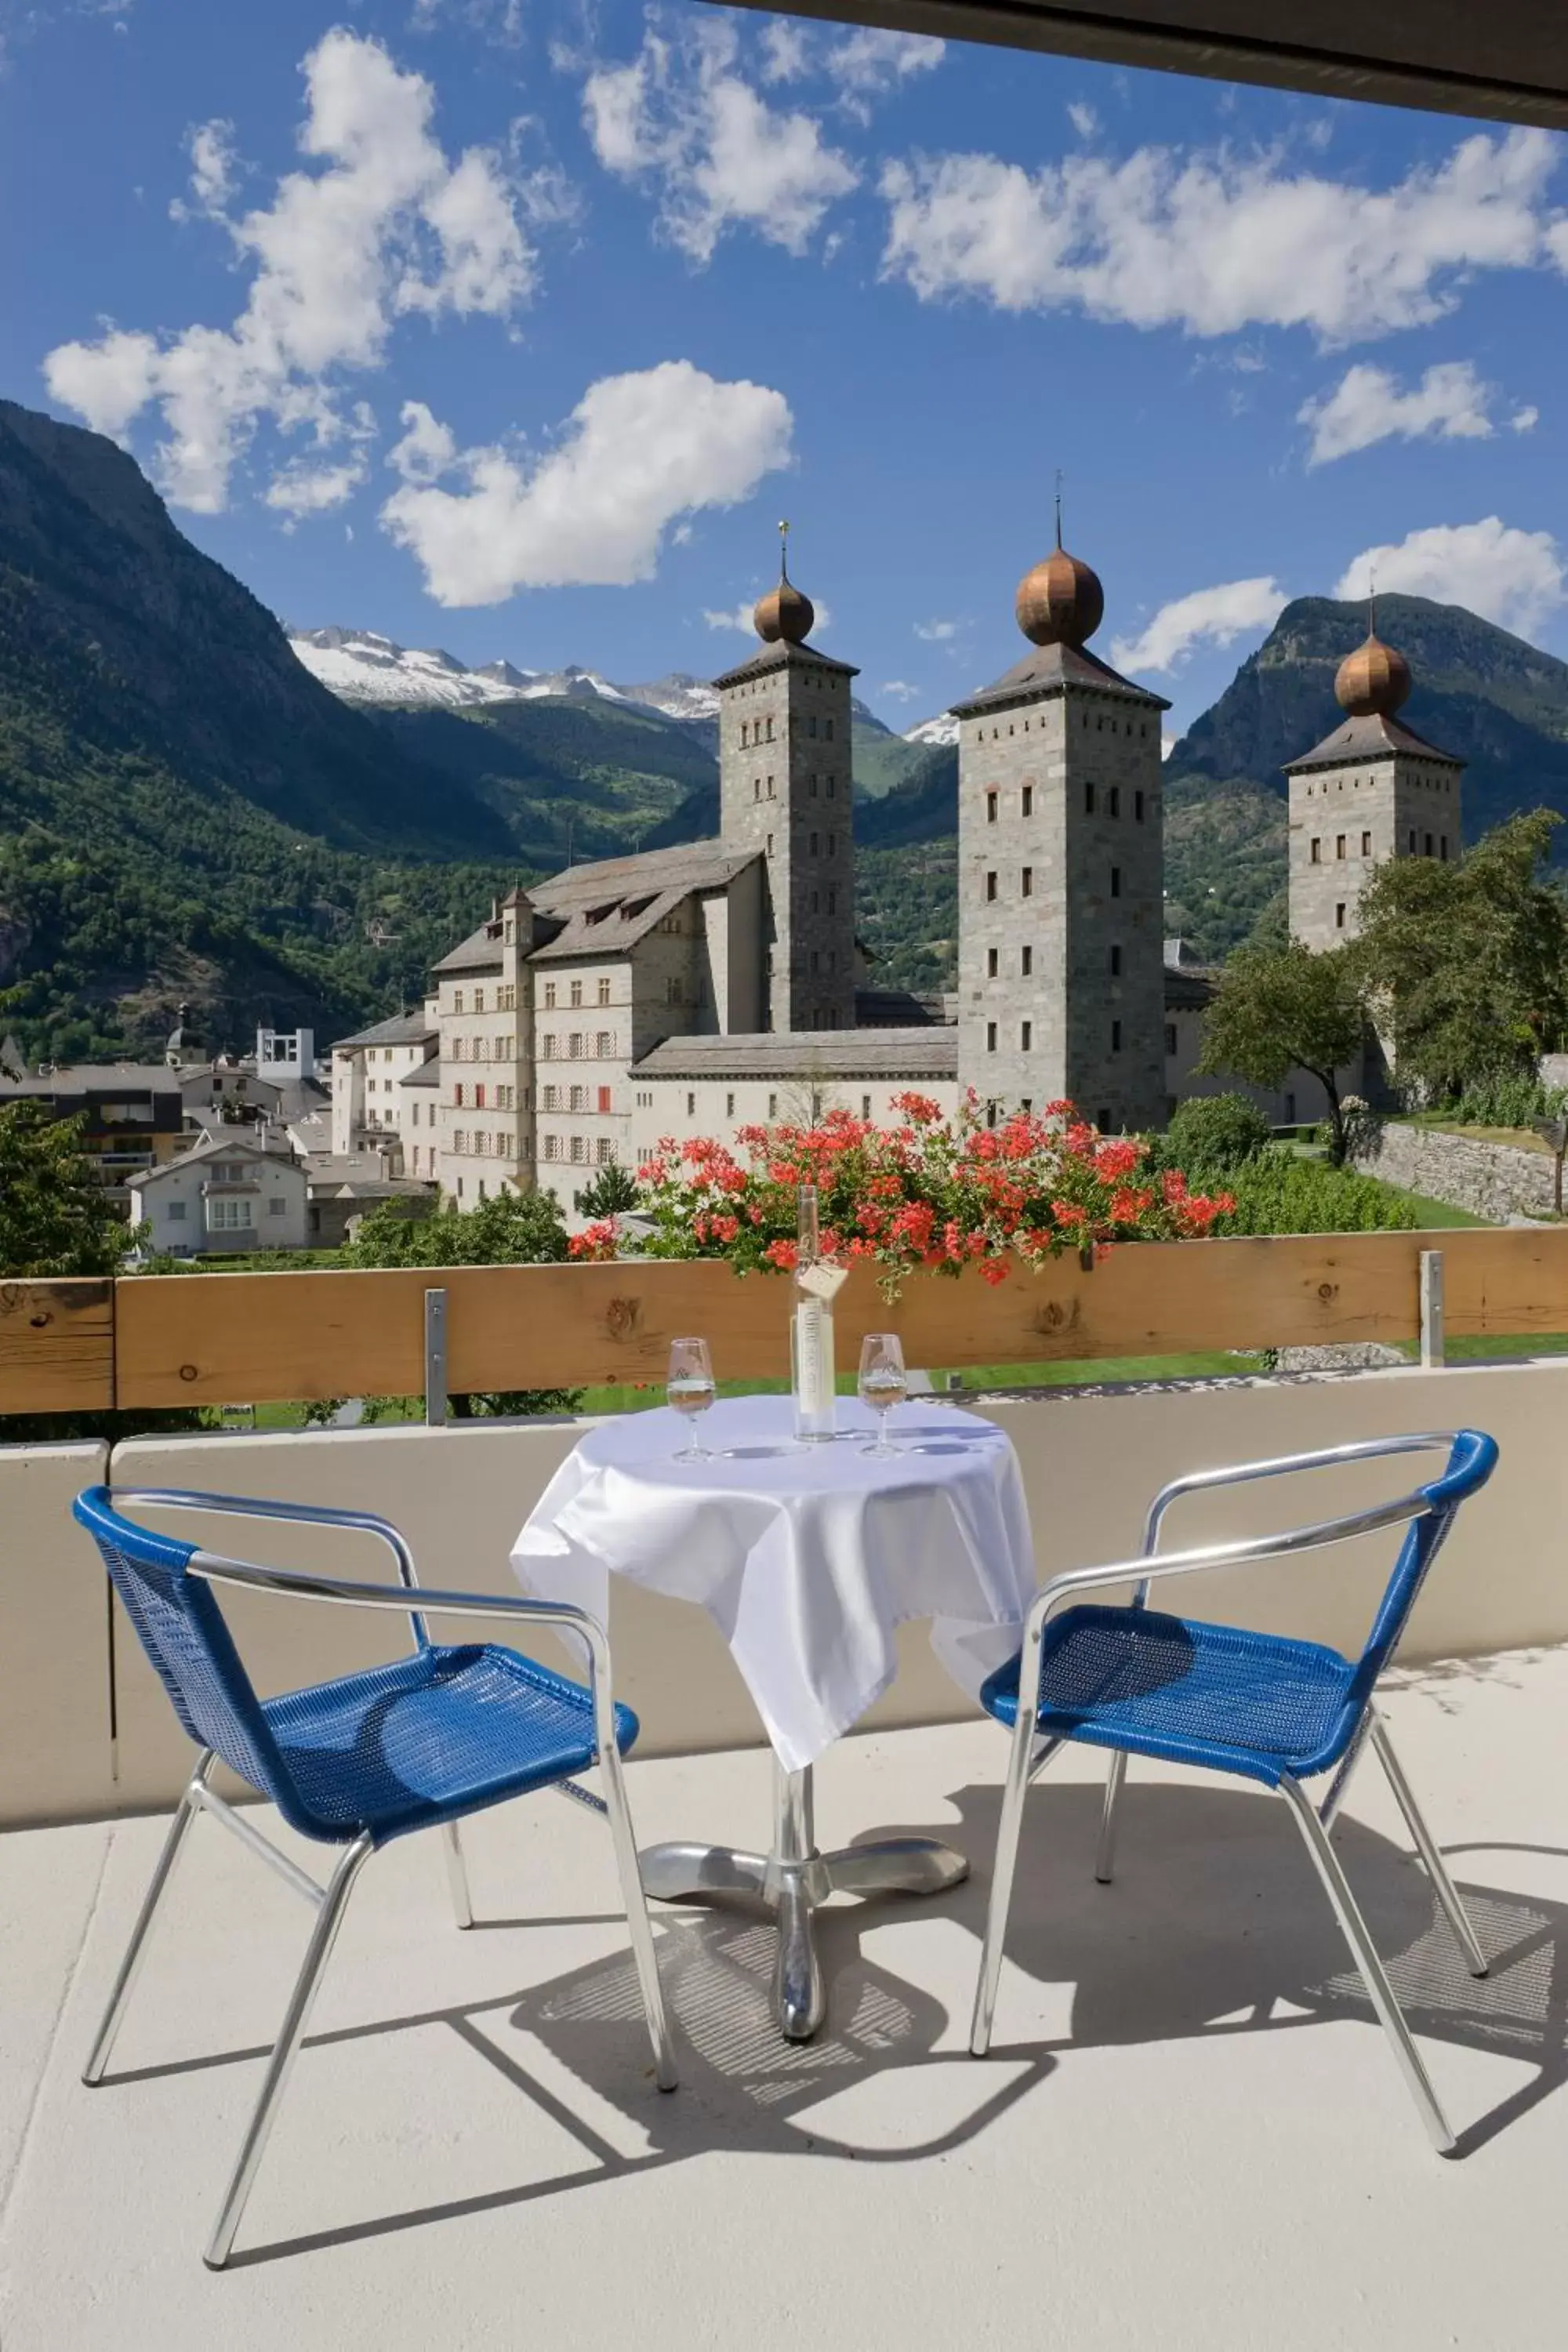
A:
x: 1190, y: 2132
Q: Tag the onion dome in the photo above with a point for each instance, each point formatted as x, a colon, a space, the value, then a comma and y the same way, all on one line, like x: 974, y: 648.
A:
x: 1374, y: 678
x: 784, y: 611
x: 1061, y: 602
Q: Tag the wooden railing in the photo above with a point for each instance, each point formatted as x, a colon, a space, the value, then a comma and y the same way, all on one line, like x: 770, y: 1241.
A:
x: 152, y: 1340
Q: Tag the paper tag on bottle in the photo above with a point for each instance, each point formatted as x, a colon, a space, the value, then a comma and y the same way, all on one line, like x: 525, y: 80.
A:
x: 821, y: 1281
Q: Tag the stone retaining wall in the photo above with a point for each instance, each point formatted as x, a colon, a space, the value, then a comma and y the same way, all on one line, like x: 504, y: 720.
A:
x: 1495, y: 1181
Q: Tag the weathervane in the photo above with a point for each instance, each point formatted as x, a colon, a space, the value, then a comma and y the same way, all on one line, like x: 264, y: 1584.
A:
x: 1058, y: 506
x: 783, y: 550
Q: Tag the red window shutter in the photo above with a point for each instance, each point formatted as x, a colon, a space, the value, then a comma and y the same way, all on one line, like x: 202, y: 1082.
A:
x: 478, y: 1097
x: 604, y: 1097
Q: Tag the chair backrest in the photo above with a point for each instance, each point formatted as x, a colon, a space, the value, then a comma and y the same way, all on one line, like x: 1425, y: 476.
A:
x: 1472, y: 1457
x: 184, y: 1633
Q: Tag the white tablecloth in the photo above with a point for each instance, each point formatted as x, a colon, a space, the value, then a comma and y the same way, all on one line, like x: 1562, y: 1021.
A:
x: 806, y: 1558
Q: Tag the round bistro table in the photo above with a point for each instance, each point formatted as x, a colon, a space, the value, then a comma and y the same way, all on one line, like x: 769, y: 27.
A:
x: 807, y: 1557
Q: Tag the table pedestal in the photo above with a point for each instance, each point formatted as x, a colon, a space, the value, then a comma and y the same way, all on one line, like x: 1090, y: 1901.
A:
x: 793, y: 1880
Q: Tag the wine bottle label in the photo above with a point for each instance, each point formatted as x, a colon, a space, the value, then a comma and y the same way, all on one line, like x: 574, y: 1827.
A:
x: 814, y: 1358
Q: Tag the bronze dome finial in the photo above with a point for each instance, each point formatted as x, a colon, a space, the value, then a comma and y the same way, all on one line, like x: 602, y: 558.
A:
x: 784, y: 611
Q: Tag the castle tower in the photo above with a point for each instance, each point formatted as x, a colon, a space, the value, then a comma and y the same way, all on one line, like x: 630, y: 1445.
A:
x: 784, y: 784
x: 1060, y: 856
x: 1370, y: 790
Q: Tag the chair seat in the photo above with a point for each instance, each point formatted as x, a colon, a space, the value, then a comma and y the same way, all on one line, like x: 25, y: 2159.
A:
x: 1253, y: 1703
x: 434, y: 1736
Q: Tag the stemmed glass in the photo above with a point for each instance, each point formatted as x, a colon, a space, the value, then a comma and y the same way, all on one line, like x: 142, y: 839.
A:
x: 689, y: 1391
x: 883, y: 1383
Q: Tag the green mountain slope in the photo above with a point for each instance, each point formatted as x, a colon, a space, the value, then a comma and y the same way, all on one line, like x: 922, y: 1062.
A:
x: 184, y: 811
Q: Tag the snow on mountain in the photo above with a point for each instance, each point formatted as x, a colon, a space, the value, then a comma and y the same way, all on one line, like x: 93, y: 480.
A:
x: 942, y: 729
x: 361, y: 666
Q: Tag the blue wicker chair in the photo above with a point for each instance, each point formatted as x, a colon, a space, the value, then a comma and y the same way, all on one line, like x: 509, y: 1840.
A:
x: 1271, y: 1710
x: 353, y: 1763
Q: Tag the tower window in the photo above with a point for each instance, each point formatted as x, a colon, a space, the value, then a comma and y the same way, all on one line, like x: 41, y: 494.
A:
x: 1366, y: 844
x: 729, y: 1106
x: 831, y: 788
x: 990, y: 808
x: 769, y: 735
x: 756, y: 788
x: 1443, y: 849
x: 1025, y: 961
x: 991, y: 962
x: 1170, y: 1036
x: 1089, y: 800
x: 865, y: 1106
x: 991, y: 1036
x: 1413, y: 844
x: 1026, y: 882
x: 827, y: 729
x: 1138, y: 801
x: 1317, y: 851
x: 991, y: 886
x: 814, y: 788
x: 769, y: 788
x: 1428, y: 844
x: 770, y: 845
x: 1338, y: 844
x: 1026, y: 1035
x: 833, y: 902
x: 1115, y: 795
x: 1116, y: 964
x: 1028, y: 797
x: 990, y: 1114
x: 811, y: 724
x: 832, y: 844
x: 1340, y: 916
x: 1116, y: 1036
x: 1116, y: 881
x: 814, y: 845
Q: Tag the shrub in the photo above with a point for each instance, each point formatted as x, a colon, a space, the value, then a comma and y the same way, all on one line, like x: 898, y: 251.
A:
x: 1508, y: 1102
x: 1216, y: 1131
x: 1279, y: 1193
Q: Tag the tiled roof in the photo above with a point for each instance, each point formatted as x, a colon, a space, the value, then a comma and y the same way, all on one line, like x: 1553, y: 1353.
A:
x: 808, y: 1054
x: 423, y: 1074
x: 481, y: 951
x: 783, y: 655
x: 403, y: 1029
x: 605, y: 907
x: 96, y: 1077
x: 1370, y: 735
x: 1045, y: 669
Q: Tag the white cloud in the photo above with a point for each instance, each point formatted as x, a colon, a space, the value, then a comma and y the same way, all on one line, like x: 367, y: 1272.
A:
x: 638, y: 452
x: 1217, y: 242
x: 1207, y: 615
x: 786, y: 51
x: 867, y: 63
x: 302, y: 489
x: 1524, y: 420
x: 936, y: 633
x: 380, y: 222
x: 681, y: 117
x: 1083, y: 118
x: 1510, y: 577
x: 427, y: 449
x: 499, y: 20
x: 901, y: 690
x: 215, y: 170
x: 1452, y: 403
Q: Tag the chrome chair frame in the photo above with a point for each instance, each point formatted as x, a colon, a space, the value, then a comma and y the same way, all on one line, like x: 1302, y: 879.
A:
x: 331, y: 1900
x: 1031, y: 1753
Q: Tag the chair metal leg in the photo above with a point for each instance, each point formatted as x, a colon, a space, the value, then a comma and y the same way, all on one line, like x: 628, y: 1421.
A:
x: 323, y: 1936
x: 1020, y: 1772
x: 1375, y: 1976
x: 618, y: 1813
x: 136, y: 1951
x: 457, y: 1874
x: 1429, y: 1850
x: 1105, y: 1855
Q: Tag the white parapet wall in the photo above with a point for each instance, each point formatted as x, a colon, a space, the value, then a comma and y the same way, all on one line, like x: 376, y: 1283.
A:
x: 1092, y: 1459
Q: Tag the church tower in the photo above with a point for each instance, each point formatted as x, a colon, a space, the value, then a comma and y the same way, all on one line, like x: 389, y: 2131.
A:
x: 1370, y: 790
x: 1060, y: 856
x: 785, y: 785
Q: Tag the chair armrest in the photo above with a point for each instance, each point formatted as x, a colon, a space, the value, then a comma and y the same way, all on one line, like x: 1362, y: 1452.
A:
x: 561, y: 1616
x: 308, y: 1515
x: 1328, y: 1457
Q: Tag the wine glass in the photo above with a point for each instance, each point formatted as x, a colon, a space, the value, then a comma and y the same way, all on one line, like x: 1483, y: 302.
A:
x: 689, y: 1391
x: 883, y: 1383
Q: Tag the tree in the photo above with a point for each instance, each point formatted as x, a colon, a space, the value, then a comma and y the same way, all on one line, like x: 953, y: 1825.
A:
x: 1216, y: 1131
x: 56, y: 1218
x: 1279, y: 1009
x: 1466, y: 962
x: 613, y: 1191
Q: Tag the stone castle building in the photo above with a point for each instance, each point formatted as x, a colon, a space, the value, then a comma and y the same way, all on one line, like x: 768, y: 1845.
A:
x: 1369, y: 790
x: 1061, y: 870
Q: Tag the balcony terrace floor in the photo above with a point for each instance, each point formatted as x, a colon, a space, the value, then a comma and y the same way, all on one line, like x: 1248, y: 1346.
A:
x: 1190, y: 2131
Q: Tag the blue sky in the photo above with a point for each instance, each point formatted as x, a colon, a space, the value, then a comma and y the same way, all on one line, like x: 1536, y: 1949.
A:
x: 513, y: 326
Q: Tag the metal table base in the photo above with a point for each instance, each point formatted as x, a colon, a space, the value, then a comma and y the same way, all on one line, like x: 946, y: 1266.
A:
x: 791, y: 1880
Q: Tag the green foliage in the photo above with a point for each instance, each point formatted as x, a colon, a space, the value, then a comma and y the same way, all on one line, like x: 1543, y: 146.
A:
x: 906, y: 911
x: 1278, y: 1009
x: 1507, y: 1102
x: 507, y: 1229
x: 1216, y: 1131
x: 1225, y: 861
x: 1280, y: 1193
x: 1469, y: 958
x: 55, y: 1216
x: 613, y: 1191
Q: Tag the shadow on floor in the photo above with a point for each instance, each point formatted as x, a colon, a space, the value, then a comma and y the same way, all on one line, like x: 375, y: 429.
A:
x: 1215, y: 1925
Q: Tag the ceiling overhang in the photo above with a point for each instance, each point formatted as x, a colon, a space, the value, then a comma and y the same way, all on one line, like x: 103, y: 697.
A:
x: 1506, y: 59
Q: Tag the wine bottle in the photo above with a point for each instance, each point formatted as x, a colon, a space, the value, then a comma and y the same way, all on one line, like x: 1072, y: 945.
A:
x: 811, y: 1329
